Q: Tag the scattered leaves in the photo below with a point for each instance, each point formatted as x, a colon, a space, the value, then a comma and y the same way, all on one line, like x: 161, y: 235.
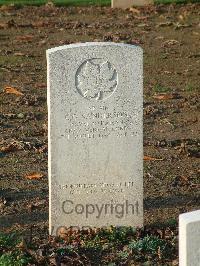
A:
x: 184, y: 179
x: 165, y: 24
x: 22, y: 245
x: 141, y: 18
x: 148, y: 158
x: 33, y: 176
x: 3, y: 25
x: 181, y: 181
x: 41, y: 85
x: 164, y: 96
x: 27, y: 38
x: 10, y: 147
x: 38, y: 24
x: 3, y: 202
x: 179, y: 26
x: 19, y: 54
x: 7, y: 7
x: 169, y: 43
x: 134, y: 10
x: 12, y: 90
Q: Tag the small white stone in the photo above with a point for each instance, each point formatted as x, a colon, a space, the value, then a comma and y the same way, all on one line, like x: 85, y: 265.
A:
x: 189, y: 239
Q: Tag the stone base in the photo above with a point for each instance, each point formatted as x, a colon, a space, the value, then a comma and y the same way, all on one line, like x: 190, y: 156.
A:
x: 130, y: 3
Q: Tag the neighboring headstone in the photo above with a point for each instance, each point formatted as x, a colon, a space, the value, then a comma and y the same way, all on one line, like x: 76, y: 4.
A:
x: 130, y: 3
x: 95, y: 95
x: 189, y: 239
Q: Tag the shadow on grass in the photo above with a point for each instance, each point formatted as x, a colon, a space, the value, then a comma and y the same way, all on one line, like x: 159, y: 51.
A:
x: 23, y: 219
x: 36, y: 216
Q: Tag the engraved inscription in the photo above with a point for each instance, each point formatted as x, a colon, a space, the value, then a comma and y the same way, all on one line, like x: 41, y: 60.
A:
x: 96, y: 79
x: 101, y: 122
x: 97, y: 187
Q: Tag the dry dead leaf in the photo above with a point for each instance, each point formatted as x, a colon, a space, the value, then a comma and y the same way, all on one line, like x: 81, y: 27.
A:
x: 12, y: 90
x: 179, y: 25
x: 40, y: 85
x: 141, y: 17
x: 184, y: 179
x: 175, y: 262
x: 24, y: 38
x: 164, y: 96
x: 169, y: 43
x: 3, y: 25
x: 63, y: 232
x: 39, y: 202
x: 7, y: 7
x: 165, y: 24
x: 183, y: 148
x: 49, y: 4
x: 38, y: 24
x: 19, y: 54
x: 134, y: 10
x: 148, y: 158
x: 159, y: 253
x: 22, y: 245
x: 2, y: 203
x: 43, y: 149
x: 167, y: 72
x: 10, y: 148
x: 32, y: 176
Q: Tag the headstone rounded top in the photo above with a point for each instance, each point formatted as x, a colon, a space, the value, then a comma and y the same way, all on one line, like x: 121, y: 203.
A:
x: 90, y: 44
x: 190, y: 216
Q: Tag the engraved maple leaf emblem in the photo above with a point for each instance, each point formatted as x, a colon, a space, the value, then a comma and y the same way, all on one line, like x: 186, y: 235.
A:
x: 97, y: 80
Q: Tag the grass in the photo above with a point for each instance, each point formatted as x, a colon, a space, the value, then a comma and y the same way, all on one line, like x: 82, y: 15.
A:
x: 160, y: 89
x: 56, y: 2
x: 10, y: 254
x: 82, y: 2
x: 190, y: 88
x: 150, y: 245
x: 10, y: 59
x: 175, y: 1
x: 112, y: 246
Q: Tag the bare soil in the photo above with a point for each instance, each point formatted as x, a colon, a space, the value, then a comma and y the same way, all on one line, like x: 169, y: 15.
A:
x: 170, y: 37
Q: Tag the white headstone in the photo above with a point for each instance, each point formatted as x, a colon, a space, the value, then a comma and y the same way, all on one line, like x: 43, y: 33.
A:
x: 189, y: 239
x: 95, y: 95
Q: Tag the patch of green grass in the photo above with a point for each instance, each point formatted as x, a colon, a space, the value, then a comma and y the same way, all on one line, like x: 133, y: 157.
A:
x: 9, y: 253
x: 175, y: 1
x: 190, y: 88
x: 123, y: 255
x: 112, y: 245
x: 16, y: 258
x: 160, y: 89
x: 151, y: 246
x: 172, y: 222
x: 10, y: 59
x: 56, y: 2
x: 117, y: 234
x: 8, y: 240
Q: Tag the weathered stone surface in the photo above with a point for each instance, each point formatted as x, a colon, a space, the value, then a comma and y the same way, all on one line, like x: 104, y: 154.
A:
x: 95, y: 96
x: 189, y: 239
x: 130, y: 3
